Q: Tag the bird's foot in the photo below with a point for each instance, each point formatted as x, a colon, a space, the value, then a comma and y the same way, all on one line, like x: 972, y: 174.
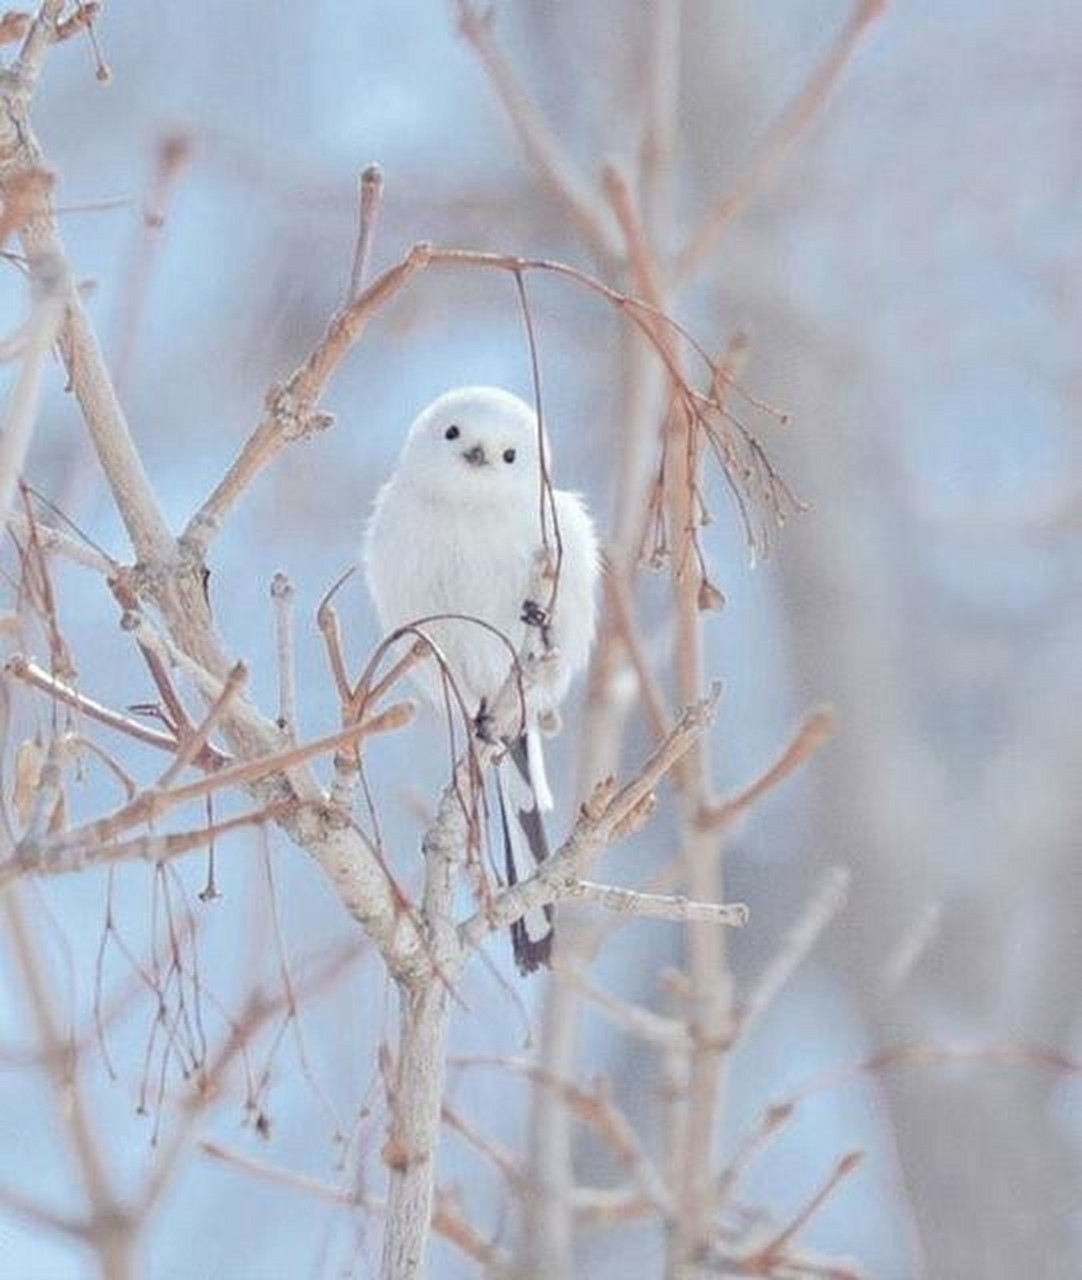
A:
x: 535, y: 616
x: 548, y: 722
x: 484, y: 724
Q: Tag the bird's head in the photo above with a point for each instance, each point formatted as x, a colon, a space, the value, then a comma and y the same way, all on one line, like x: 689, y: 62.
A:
x: 474, y: 446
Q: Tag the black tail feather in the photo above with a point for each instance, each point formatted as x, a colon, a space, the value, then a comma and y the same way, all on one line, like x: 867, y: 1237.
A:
x: 525, y: 848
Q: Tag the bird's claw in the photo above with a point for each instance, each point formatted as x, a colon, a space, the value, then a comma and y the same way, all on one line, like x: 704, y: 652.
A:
x: 548, y: 721
x: 484, y: 724
x: 535, y: 616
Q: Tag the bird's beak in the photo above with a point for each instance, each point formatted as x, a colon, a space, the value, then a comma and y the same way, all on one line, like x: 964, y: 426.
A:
x: 475, y: 456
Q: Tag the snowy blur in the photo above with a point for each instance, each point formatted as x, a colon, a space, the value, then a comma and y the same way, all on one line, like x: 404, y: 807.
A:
x: 909, y: 279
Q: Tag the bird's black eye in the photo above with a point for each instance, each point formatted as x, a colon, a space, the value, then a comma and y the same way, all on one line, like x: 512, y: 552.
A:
x: 452, y: 432
x: 508, y: 455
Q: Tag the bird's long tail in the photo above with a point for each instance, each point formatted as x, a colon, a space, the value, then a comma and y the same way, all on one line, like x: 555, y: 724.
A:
x: 535, y: 761
x: 525, y: 848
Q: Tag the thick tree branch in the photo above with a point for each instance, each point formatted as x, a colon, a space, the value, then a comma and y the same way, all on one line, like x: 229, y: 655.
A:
x: 20, y: 154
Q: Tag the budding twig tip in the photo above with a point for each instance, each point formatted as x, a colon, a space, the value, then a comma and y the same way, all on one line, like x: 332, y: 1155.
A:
x: 420, y: 255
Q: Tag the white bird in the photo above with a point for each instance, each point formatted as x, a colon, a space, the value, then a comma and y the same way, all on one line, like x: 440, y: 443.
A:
x: 457, y: 530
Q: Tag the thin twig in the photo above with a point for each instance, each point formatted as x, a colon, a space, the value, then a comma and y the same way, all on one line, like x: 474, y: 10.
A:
x: 331, y: 631
x: 817, y: 728
x: 110, y: 1231
x: 42, y: 1216
x: 65, y: 851
x: 282, y: 597
x: 774, y: 1250
x: 770, y: 1123
x: 825, y: 903
x: 41, y: 34
x: 601, y: 817
x: 173, y: 154
x: 50, y: 539
x: 646, y: 1025
x: 659, y: 906
x: 445, y: 1221
x: 369, y: 200
x: 499, y: 1157
x: 290, y: 409
x: 21, y: 668
x: 153, y: 847
x: 193, y: 743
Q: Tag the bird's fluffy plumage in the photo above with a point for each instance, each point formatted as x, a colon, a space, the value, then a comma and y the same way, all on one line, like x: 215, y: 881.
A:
x: 457, y: 529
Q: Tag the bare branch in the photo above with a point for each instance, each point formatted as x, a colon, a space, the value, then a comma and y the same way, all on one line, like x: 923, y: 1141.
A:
x: 153, y: 847
x: 24, y: 1206
x: 620, y: 603
x: 266, y: 1172
x: 817, y: 728
x: 446, y: 1220
x: 825, y: 904
x: 659, y: 906
x: 770, y: 1123
x: 282, y: 597
x: 915, y: 940
x: 24, y: 192
x: 766, y: 1257
x: 81, y: 18
x: 370, y: 197
x: 502, y: 1160
x: 47, y: 309
x: 173, y: 155
x: 772, y: 152
x: 642, y: 1023
x: 95, y: 841
x: 44, y: 794
x: 20, y: 154
x: 50, y: 539
x: 331, y: 631
x: 597, y: 824
x: 192, y: 744
x: 657, y: 153
x: 1013, y: 1054
x: 544, y: 151
x: 108, y: 1230
x: 41, y: 34
x: 21, y: 668
x: 290, y: 409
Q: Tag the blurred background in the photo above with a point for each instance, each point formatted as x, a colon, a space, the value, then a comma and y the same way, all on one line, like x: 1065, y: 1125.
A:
x: 909, y: 280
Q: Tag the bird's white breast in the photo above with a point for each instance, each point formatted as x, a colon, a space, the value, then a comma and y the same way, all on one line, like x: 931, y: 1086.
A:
x: 427, y: 557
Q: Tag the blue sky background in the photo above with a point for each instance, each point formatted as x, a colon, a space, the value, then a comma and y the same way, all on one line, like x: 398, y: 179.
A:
x: 911, y: 284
